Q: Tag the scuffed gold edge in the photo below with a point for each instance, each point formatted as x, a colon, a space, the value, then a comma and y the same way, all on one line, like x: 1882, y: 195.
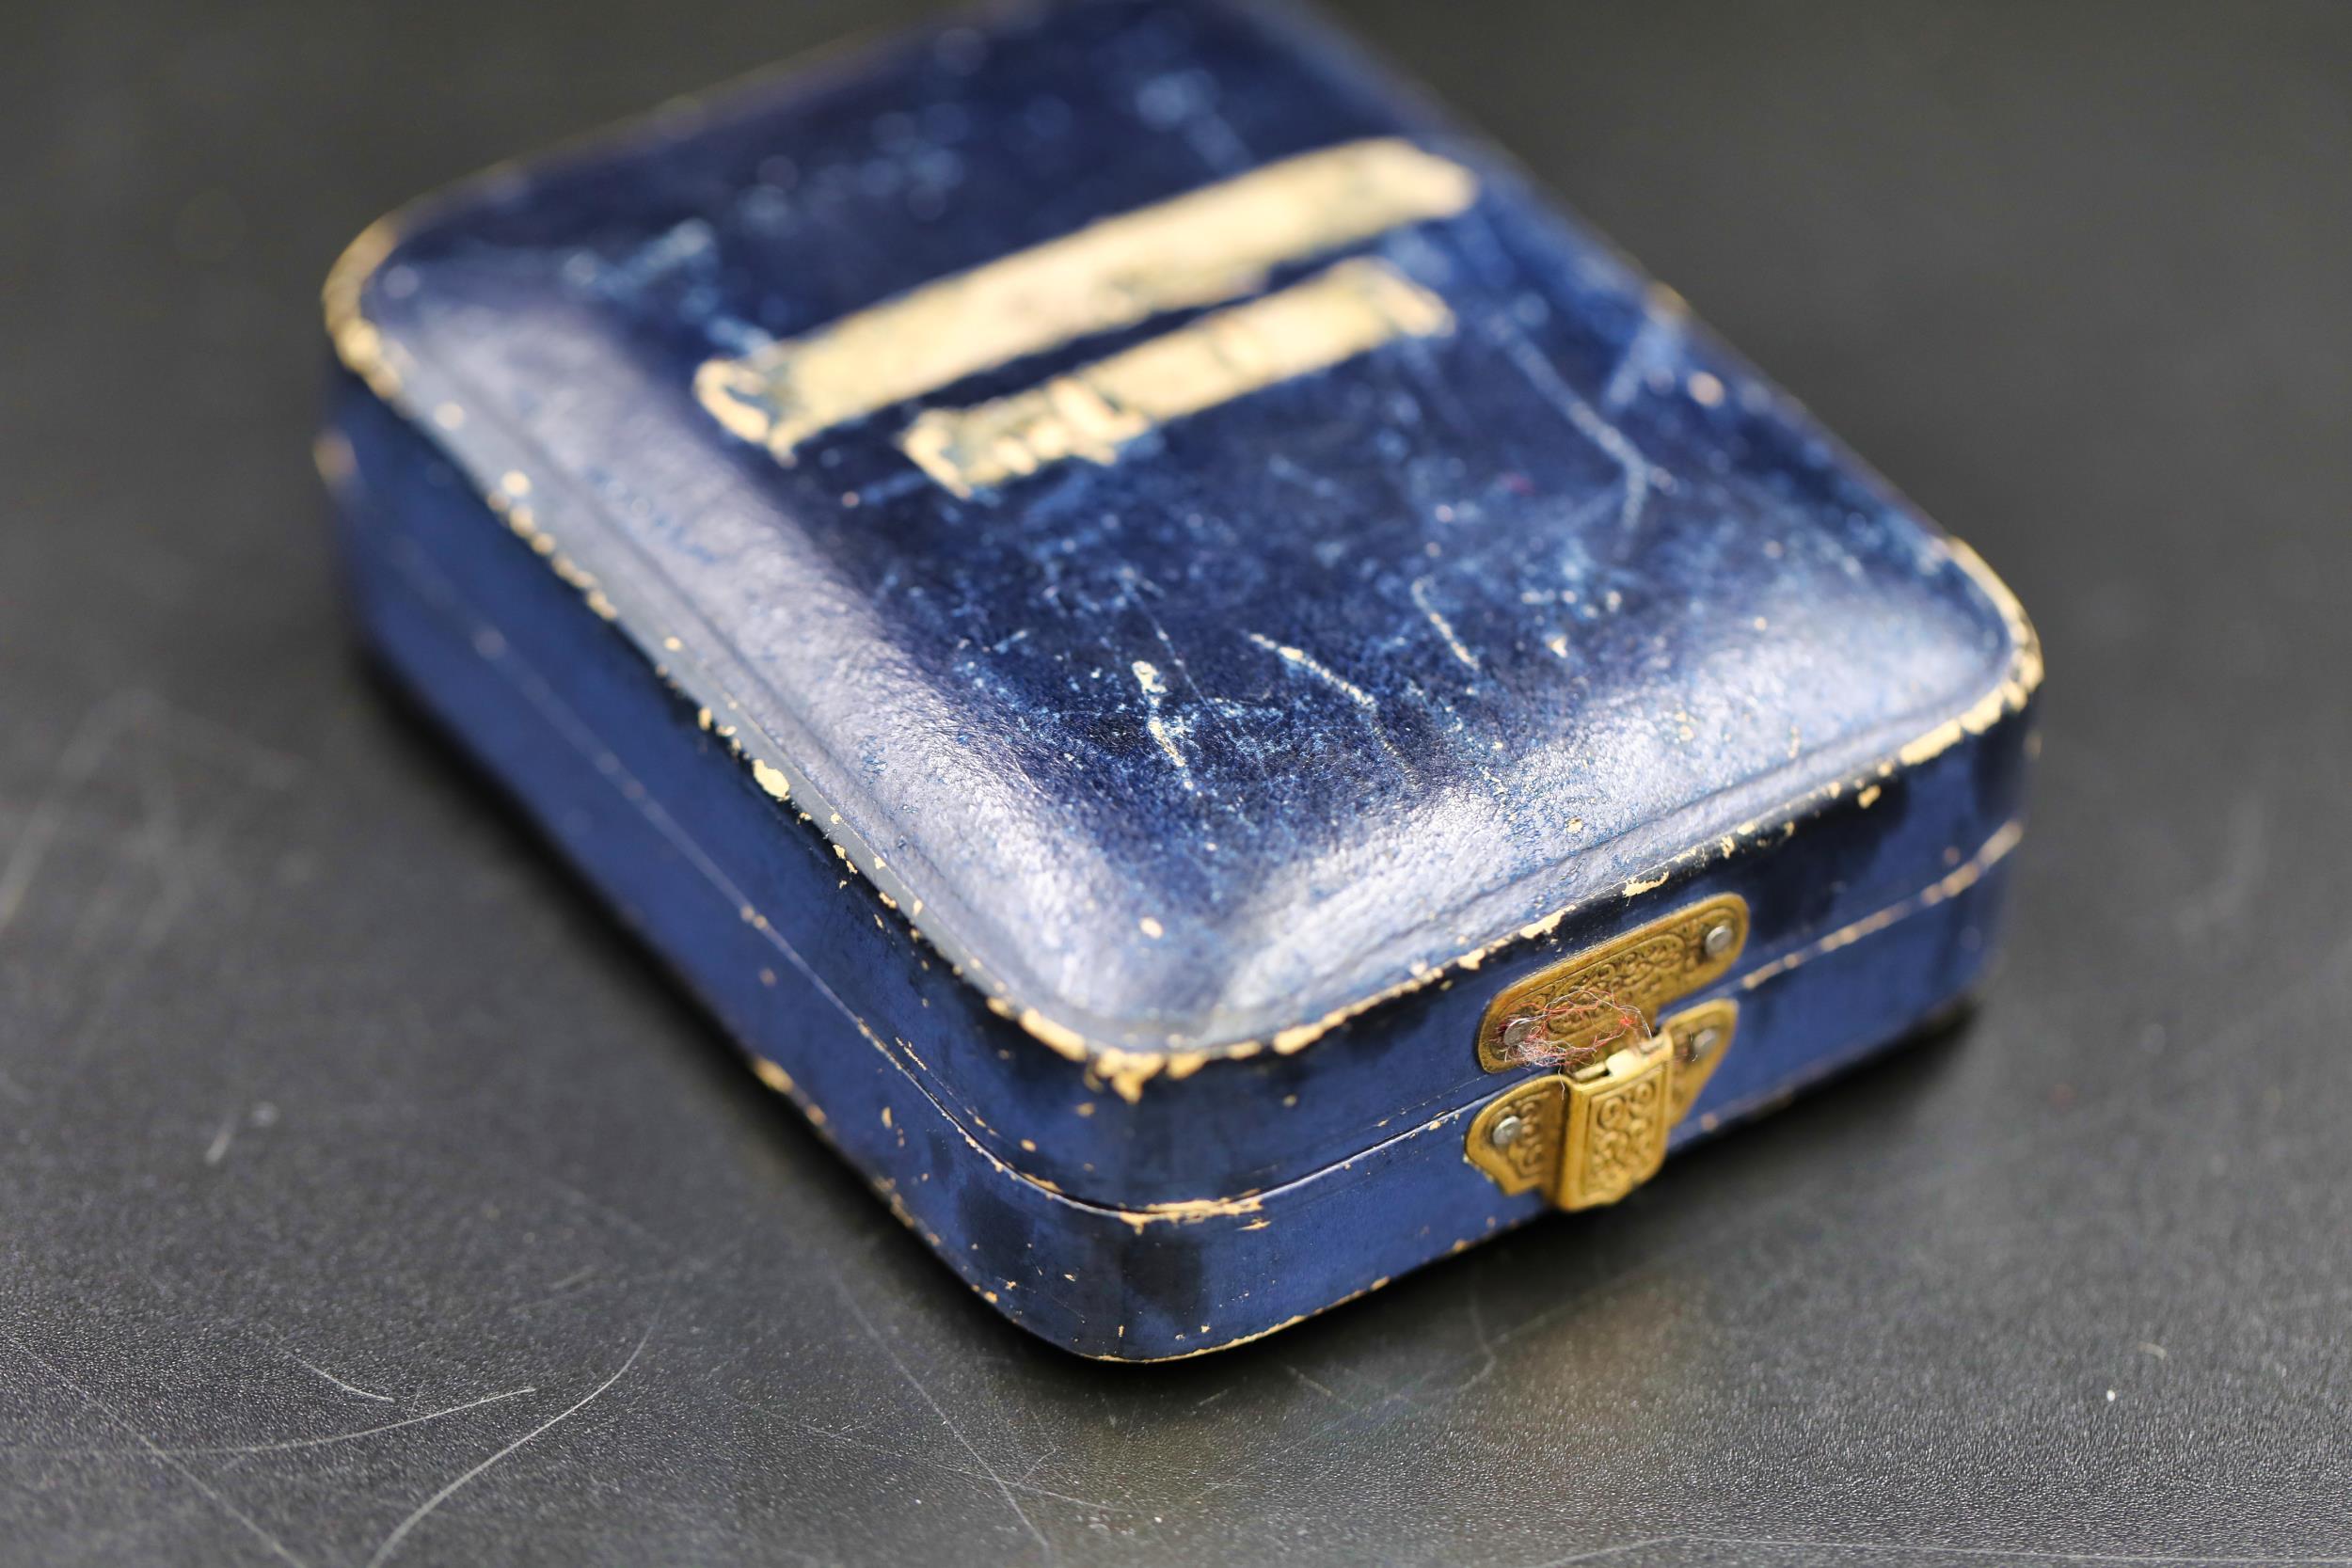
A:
x: 360, y: 348
x: 1967, y: 874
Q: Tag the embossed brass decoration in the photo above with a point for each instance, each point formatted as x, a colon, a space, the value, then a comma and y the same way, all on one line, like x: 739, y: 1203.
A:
x: 1571, y: 1014
x: 1591, y: 1135
x: 1617, y: 1125
x: 1516, y: 1139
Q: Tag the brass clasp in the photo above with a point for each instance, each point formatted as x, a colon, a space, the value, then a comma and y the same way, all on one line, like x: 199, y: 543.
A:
x: 1591, y: 1135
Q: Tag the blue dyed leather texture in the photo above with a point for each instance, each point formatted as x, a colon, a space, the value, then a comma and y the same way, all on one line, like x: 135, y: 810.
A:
x: 1159, y: 827
x: 1556, y: 618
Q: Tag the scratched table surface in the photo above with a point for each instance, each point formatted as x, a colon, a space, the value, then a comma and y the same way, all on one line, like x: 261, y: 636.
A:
x: 365, y: 1197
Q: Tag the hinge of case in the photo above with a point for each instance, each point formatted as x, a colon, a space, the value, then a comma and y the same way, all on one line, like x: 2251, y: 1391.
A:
x: 1592, y: 1133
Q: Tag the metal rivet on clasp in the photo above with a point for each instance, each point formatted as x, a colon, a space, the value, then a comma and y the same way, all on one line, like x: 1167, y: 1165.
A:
x: 1719, y: 939
x: 1506, y: 1131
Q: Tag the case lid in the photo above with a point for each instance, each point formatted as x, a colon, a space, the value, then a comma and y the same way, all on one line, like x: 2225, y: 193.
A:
x: 1205, y: 538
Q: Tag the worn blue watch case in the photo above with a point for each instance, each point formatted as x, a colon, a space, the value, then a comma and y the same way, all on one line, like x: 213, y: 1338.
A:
x: 1230, y: 703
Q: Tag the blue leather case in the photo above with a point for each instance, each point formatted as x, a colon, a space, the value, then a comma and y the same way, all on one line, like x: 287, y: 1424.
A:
x: 1102, y: 585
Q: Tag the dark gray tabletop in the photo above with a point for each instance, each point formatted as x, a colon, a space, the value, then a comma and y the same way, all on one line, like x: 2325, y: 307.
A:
x: 366, y: 1197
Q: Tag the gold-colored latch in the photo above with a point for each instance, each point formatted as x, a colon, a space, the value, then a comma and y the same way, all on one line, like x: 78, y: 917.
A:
x: 1565, y: 1014
x: 1591, y: 1135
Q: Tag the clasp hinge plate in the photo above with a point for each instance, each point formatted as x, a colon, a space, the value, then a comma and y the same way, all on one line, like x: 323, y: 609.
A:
x: 1567, y: 1014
